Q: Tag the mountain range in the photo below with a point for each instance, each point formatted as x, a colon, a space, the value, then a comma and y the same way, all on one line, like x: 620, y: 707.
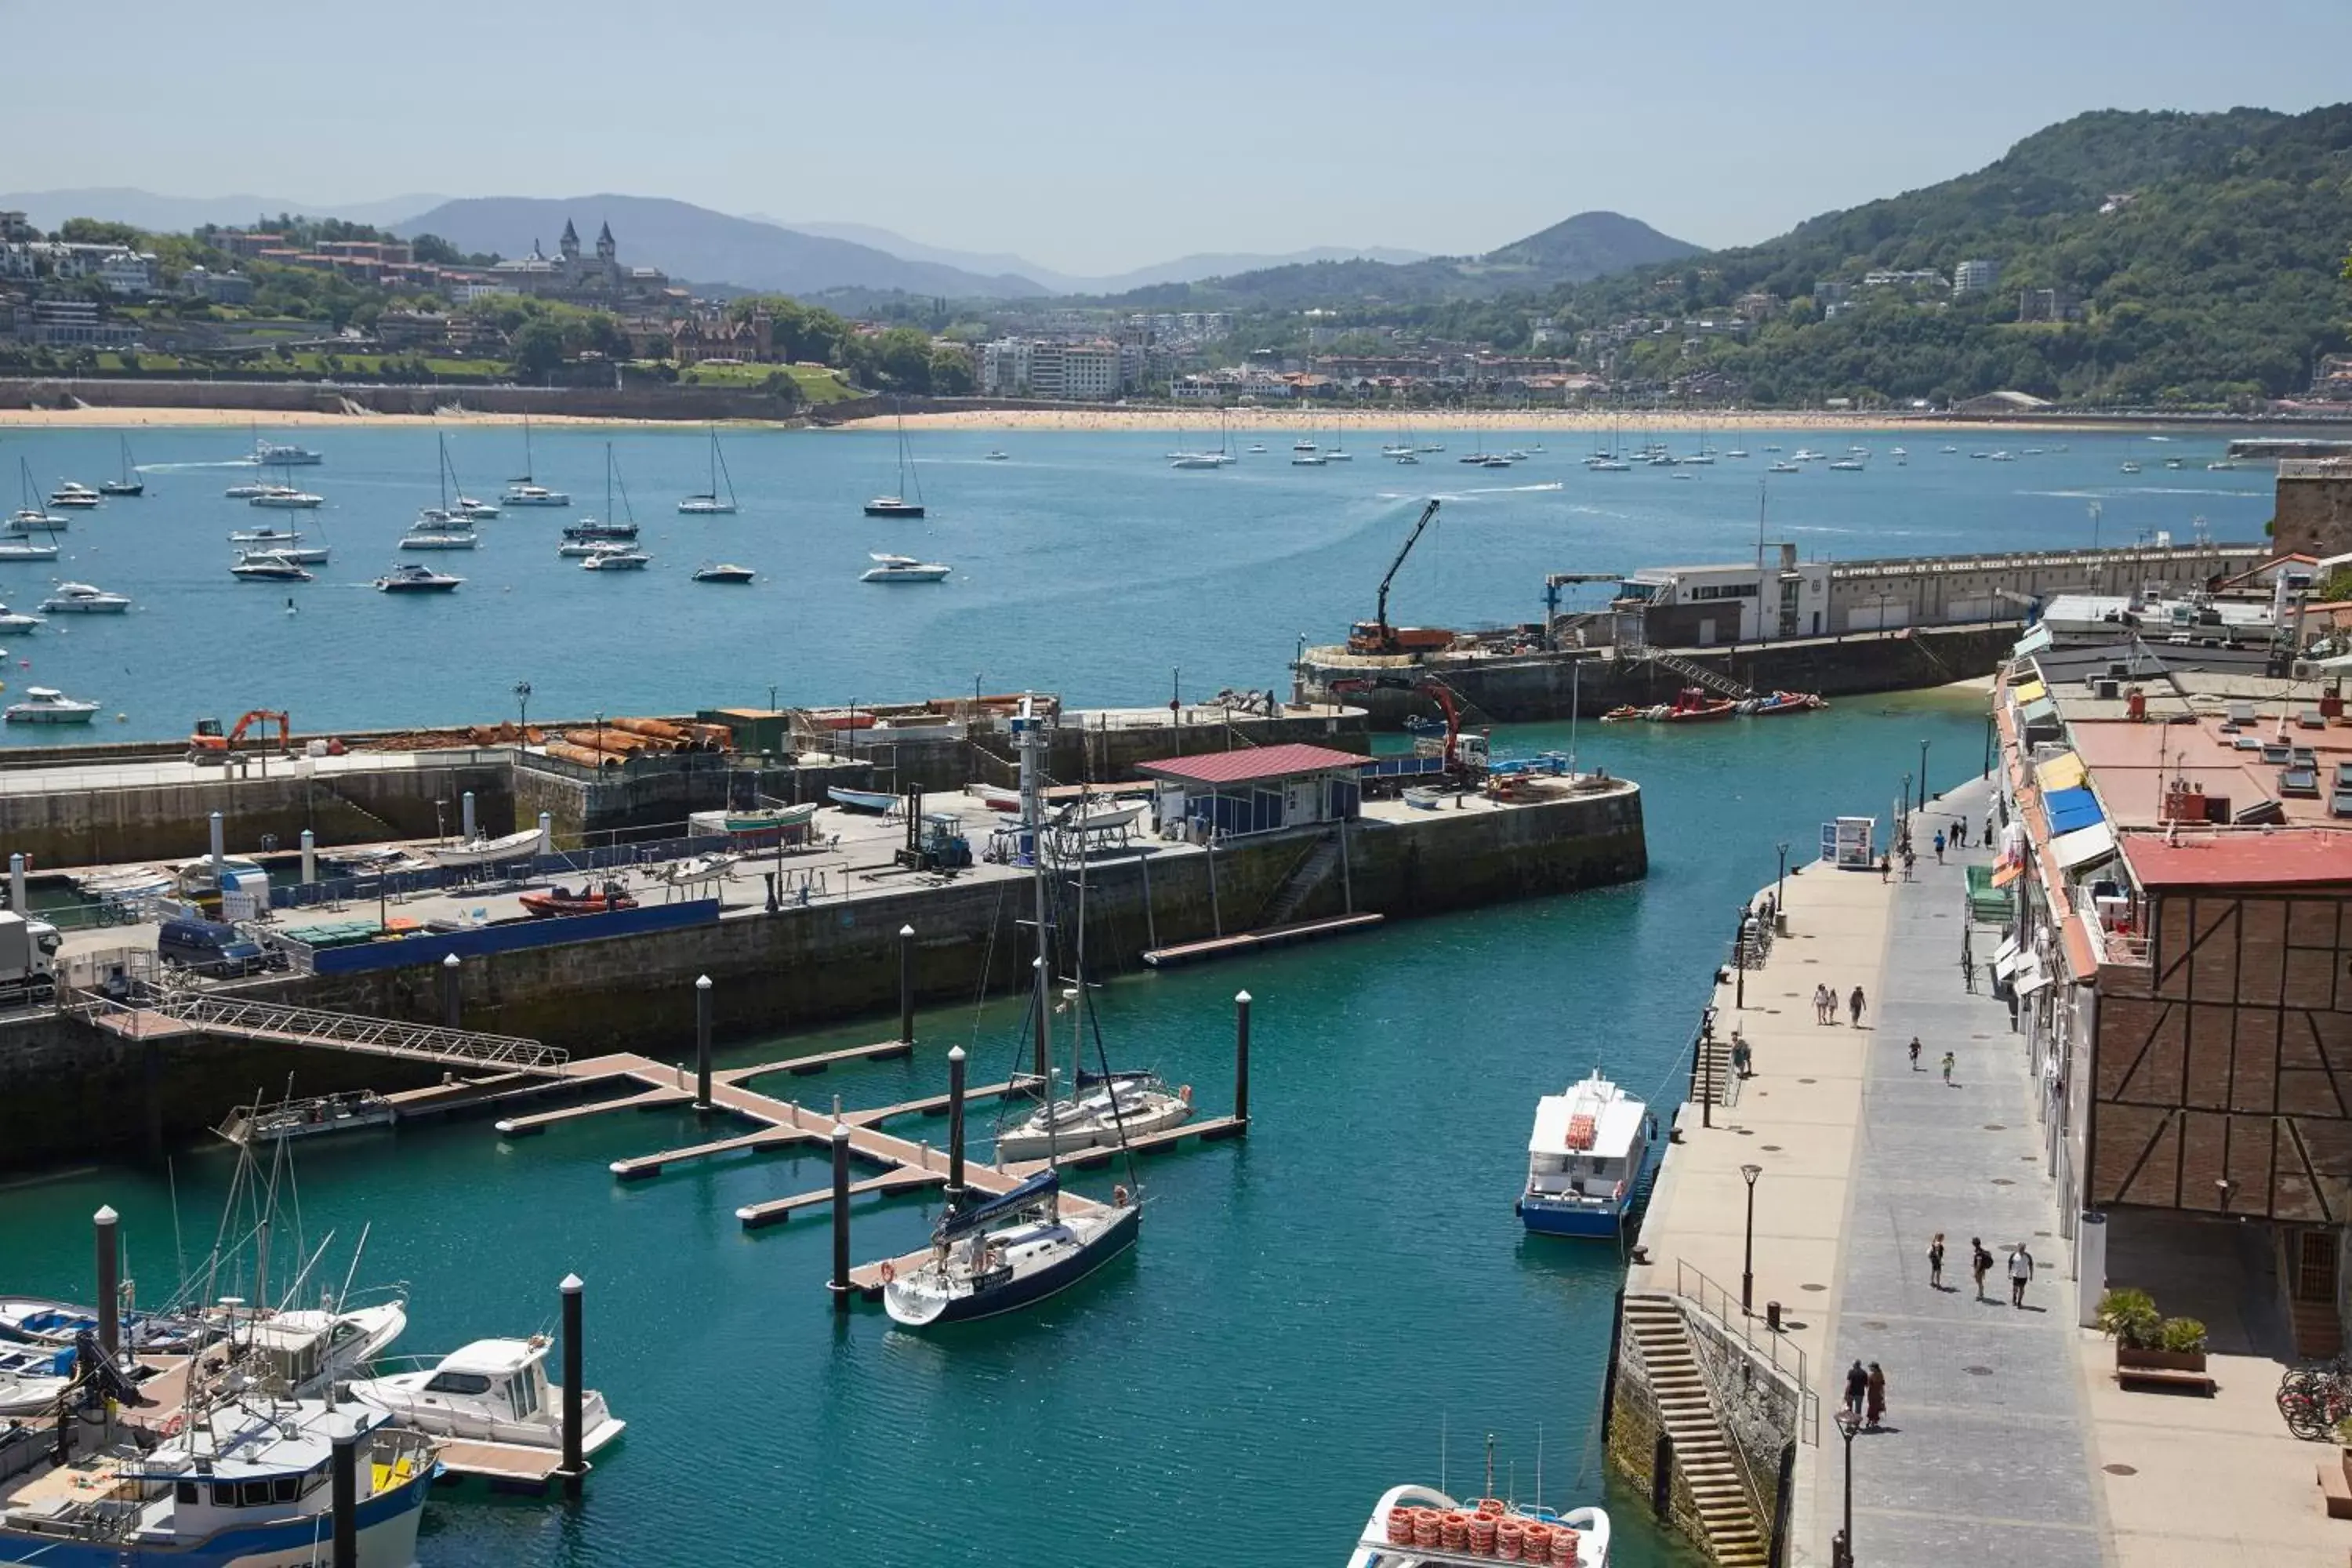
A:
x: 1182, y: 269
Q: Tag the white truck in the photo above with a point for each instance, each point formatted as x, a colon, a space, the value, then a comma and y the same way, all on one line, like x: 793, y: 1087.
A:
x: 28, y: 960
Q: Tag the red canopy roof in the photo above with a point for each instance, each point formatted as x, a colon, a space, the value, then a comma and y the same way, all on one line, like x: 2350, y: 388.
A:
x: 2293, y: 857
x: 1252, y: 765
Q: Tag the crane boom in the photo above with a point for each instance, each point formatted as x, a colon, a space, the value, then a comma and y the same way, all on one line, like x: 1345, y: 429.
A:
x: 1381, y: 611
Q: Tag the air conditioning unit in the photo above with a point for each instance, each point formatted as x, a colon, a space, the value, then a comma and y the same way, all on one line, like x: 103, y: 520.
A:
x: 2108, y: 690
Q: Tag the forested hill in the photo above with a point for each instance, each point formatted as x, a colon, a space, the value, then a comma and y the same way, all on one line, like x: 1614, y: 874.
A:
x: 2192, y: 256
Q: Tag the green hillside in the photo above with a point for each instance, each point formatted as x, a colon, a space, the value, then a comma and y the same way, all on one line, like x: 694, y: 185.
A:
x: 2194, y: 257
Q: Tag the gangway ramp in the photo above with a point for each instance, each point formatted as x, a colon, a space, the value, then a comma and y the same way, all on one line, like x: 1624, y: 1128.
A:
x: 243, y: 1019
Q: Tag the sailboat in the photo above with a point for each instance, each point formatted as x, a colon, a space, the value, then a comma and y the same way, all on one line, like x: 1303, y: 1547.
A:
x: 441, y: 527
x: 708, y: 503
x: 129, y: 484
x: 29, y: 517
x: 588, y: 537
x: 522, y: 489
x: 897, y: 504
x: 1017, y: 1247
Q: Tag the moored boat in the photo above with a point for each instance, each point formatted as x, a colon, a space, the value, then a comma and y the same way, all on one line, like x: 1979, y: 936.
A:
x: 411, y: 577
x: 268, y: 566
x: 1585, y: 1160
x: 309, y: 1117
x: 482, y: 851
x: 47, y: 705
x: 493, y: 1391
x: 586, y: 901
x: 903, y: 569
x: 81, y: 599
x: 1413, y: 1525
x: 1002, y: 1254
x: 1102, y: 1112
x: 723, y: 571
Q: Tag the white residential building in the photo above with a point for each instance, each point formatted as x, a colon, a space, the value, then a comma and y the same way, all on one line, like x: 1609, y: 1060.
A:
x: 1073, y: 370
x: 1976, y: 276
x: 1004, y: 366
x: 128, y: 272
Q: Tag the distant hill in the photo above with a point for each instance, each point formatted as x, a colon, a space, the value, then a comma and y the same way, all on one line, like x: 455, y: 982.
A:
x: 178, y: 215
x: 704, y: 246
x: 2201, y: 252
x: 1590, y: 245
x: 1182, y: 269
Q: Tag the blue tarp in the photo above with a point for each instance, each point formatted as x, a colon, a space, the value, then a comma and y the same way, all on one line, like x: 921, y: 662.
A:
x: 2070, y: 809
x: 432, y: 947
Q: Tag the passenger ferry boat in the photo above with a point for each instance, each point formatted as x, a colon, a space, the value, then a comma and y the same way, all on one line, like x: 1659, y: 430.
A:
x: 1412, y: 1525
x: 1585, y: 1160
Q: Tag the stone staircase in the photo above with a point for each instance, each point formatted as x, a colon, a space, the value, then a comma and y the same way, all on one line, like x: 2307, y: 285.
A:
x: 1711, y: 1071
x: 1312, y: 870
x: 1709, y: 1468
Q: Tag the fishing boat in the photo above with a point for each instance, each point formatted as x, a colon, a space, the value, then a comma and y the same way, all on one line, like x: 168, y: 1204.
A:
x: 1003, y: 1253
x: 903, y: 569
x: 413, y: 577
x: 710, y: 502
x: 240, y: 1481
x: 1773, y: 702
x: 1413, y: 1525
x: 871, y: 800
x: 1585, y: 1160
x: 309, y: 1117
x: 81, y: 599
x: 585, y: 901
x: 723, y: 571
x: 896, y: 504
x: 128, y: 483
x: 25, y: 550
x: 60, y: 1325
x: 76, y: 496
x: 268, y: 566
x: 492, y: 1391
x: 616, y: 558
x: 480, y: 850
x: 47, y: 705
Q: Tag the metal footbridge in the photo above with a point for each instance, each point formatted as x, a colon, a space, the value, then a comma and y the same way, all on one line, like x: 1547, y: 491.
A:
x: 152, y: 1014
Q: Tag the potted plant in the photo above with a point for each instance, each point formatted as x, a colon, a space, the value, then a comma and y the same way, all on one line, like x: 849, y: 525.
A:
x: 2147, y: 1340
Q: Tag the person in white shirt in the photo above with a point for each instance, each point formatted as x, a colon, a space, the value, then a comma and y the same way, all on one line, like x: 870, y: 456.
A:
x: 2020, y: 1269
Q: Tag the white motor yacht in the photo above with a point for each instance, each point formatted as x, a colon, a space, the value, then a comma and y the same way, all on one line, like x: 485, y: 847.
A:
x: 282, y: 497
x: 723, y: 571
x: 81, y: 599
x: 268, y: 566
x: 492, y: 1391
x: 47, y: 705
x: 13, y: 549
x: 73, y: 494
x: 12, y: 621
x: 249, y: 488
x: 412, y: 577
x: 523, y: 492
x: 903, y: 569
x: 616, y: 558
x: 270, y: 455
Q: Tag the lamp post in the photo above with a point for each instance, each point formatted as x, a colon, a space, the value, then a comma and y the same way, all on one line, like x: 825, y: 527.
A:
x: 1747, y: 1256
x: 1740, y: 961
x: 1843, y: 1555
x: 522, y: 706
x: 1780, y: 883
x: 1903, y: 825
x: 1923, y: 773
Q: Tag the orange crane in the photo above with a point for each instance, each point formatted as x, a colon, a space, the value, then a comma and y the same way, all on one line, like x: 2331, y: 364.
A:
x: 210, y: 743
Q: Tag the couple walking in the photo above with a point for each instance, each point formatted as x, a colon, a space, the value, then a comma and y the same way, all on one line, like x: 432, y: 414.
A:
x: 1866, y: 1394
x: 1825, y: 1006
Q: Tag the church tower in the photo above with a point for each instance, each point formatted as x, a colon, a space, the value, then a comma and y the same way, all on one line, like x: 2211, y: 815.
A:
x: 570, y: 244
x: 606, y: 251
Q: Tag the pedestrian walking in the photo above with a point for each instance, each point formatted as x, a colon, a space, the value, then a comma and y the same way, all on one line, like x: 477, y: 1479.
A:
x: 2021, y: 1271
x: 1884, y: 869
x: 1979, y: 1263
x: 1939, y: 845
x: 1950, y: 1063
x: 1935, y: 1261
x: 1857, y: 1389
x: 1915, y: 1052
x: 1854, y: 1003
x: 1741, y: 1056
x: 1987, y: 840
x: 1909, y: 860
x: 1876, y: 1393
x: 1959, y: 833
x: 1821, y: 1003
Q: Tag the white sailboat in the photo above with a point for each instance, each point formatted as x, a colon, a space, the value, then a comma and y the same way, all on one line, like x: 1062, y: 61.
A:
x: 709, y: 503
x: 896, y: 504
x: 524, y: 491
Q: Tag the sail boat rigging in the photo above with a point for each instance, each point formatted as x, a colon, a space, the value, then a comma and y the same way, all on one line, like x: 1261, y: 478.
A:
x: 896, y: 504
x: 708, y: 502
x: 128, y: 483
x: 591, y: 537
x: 523, y: 489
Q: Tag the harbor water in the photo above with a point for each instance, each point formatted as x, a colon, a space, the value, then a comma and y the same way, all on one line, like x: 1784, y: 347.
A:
x: 1312, y: 1314
x: 1083, y: 562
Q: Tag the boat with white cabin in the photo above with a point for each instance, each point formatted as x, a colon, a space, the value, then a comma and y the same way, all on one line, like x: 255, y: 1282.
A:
x: 47, y: 705
x: 616, y: 558
x: 723, y: 571
x: 283, y: 498
x: 1415, y: 1525
x: 414, y: 577
x: 269, y: 566
x: 273, y: 455
x: 1103, y: 1112
x: 903, y: 569
x: 13, y: 621
x: 1586, y: 1158
x: 82, y: 599
x: 74, y: 494
x: 493, y: 1391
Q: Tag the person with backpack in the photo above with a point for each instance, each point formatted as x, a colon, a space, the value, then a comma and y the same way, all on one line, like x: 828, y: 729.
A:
x: 1979, y: 1263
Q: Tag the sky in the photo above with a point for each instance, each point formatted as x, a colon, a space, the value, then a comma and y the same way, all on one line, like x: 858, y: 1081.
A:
x: 1093, y: 137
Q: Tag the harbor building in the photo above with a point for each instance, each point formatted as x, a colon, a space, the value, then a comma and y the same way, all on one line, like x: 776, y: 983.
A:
x: 2313, y: 512
x: 1265, y: 790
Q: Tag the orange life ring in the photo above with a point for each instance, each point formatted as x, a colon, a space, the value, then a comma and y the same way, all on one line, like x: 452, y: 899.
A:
x: 889, y: 1271
x: 1118, y: 1197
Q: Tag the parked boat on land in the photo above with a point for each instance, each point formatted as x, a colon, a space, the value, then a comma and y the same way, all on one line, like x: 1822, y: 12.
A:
x: 609, y: 898
x: 870, y: 800
x: 32, y: 1378
x: 492, y: 1391
x: 711, y: 502
x: 480, y: 850
x: 1585, y: 1160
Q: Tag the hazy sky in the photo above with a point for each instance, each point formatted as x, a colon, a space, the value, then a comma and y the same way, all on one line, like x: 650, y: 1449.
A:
x: 1097, y: 136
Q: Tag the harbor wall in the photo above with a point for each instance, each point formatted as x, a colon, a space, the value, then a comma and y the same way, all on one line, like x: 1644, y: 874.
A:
x: 68, y: 1091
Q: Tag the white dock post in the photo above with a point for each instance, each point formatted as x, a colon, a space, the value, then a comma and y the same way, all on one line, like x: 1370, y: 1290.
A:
x: 546, y: 833
x: 465, y: 811
x: 309, y: 856
x: 16, y: 883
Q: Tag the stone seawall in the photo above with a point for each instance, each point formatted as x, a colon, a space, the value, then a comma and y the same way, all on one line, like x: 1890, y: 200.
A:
x: 68, y: 1091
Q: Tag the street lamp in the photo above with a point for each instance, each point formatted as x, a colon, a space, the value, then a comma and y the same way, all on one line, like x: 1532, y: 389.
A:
x: 1903, y: 827
x: 522, y: 706
x: 1739, y: 960
x: 1841, y: 1551
x: 1923, y: 773
x: 1747, y: 1259
x: 1780, y: 883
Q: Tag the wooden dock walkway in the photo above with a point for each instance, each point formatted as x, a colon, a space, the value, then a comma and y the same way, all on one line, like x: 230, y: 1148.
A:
x: 803, y: 1066
x: 1255, y: 940
x: 506, y: 1465
x: 775, y: 1211
x: 650, y: 1100
x: 645, y: 1165
x: 934, y: 1104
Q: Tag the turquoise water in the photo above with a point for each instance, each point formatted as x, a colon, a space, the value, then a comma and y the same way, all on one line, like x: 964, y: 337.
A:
x: 1308, y: 1311
x: 1084, y: 565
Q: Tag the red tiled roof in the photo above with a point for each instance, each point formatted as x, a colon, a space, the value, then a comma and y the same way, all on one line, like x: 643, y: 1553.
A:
x: 2295, y: 857
x: 1249, y: 766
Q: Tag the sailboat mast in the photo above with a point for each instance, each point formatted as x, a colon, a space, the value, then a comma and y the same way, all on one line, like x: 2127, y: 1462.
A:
x: 1033, y: 813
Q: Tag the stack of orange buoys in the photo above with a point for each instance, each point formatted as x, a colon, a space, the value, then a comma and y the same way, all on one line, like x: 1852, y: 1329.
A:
x: 1563, y: 1547
x: 1401, y: 1527
x: 1455, y: 1531
x: 1425, y: 1528
x: 1510, y: 1535
x: 1482, y: 1533
x: 1536, y: 1542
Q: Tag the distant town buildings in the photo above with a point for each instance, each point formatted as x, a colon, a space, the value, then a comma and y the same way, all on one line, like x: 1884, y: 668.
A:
x: 572, y: 279
x: 1040, y: 367
x: 1976, y: 278
x: 2048, y: 305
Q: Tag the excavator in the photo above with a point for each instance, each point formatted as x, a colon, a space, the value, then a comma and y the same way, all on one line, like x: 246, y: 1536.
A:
x: 210, y: 745
x: 1462, y: 753
x: 1376, y: 635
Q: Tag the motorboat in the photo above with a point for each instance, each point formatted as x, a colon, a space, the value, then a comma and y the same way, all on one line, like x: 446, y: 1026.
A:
x: 1103, y: 1112
x: 876, y: 801
x: 1586, y: 1158
x: 47, y: 705
x: 1495, y: 460
x: 479, y: 851
x: 723, y: 571
x: 1302, y: 444
x: 75, y: 495
x: 492, y: 1391
x: 32, y: 1378
x: 616, y: 558
x: 473, y: 511
x: 903, y: 569
x: 2219, y: 466
x: 60, y: 1325
x: 523, y: 492
x: 282, y: 497
x: 1308, y: 460
x: 895, y: 503
x: 1610, y: 466
x: 268, y: 535
x: 309, y: 1117
x: 271, y: 455
x: 1258, y: 447
x: 1847, y: 465
x: 1003, y: 1253
x: 591, y: 531
x: 711, y: 502
x: 1783, y: 466
x: 555, y: 903
x: 994, y: 454
x: 81, y: 599
x: 441, y: 537
x: 25, y: 550
x: 249, y: 488
x: 12, y: 621
x: 2131, y: 467
x: 412, y: 578
x: 1197, y: 460
x: 580, y: 549
x: 238, y: 1479
x: 268, y: 566
x: 128, y: 483
x: 306, y: 1348
x: 1413, y: 1526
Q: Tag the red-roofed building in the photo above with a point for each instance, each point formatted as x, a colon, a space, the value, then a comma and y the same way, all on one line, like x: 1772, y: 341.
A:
x: 1260, y: 789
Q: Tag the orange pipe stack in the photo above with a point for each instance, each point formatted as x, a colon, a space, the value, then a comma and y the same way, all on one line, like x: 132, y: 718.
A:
x: 582, y: 756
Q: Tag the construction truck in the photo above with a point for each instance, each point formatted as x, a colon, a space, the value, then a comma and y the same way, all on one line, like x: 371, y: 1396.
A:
x: 211, y: 745
x: 1376, y: 635
x: 28, y: 960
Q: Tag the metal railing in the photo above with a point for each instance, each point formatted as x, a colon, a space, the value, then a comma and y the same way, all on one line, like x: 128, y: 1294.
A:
x: 342, y: 1031
x: 1717, y: 1304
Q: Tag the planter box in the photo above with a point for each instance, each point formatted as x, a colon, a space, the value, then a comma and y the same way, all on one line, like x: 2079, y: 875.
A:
x: 2158, y: 1361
